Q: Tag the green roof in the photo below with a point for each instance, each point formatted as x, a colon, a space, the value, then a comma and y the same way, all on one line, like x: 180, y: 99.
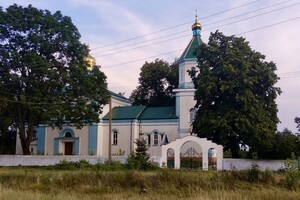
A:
x: 190, y: 50
x: 125, y: 112
x: 159, y: 113
x: 142, y: 113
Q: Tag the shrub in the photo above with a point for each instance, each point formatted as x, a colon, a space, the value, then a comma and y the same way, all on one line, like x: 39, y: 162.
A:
x: 253, y: 173
x: 140, y: 158
x: 292, y: 181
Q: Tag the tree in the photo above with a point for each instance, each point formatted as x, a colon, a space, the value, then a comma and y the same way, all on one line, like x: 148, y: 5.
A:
x: 235, y: 95
x: 157, y: 80
x: 7, y: 133
x: 43, y: 74
x: 297, y: 121
x: 285, y: 144
x: 139, y: 159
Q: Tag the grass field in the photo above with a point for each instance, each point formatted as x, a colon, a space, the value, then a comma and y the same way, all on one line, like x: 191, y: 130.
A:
x: 46, y: 183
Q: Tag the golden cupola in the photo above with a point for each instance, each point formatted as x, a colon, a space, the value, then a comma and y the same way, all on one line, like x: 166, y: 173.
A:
x: 90, y: 61
x: 196, y: 27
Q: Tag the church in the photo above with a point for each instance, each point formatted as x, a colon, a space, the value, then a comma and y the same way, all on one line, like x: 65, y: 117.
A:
x: 167, y: 130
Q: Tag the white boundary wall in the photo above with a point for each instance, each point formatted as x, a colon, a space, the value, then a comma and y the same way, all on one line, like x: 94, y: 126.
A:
x: 242, y: 164
x: 228, y: 163
x: 18, y: 160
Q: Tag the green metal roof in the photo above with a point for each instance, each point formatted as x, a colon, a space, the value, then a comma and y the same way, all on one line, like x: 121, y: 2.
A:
x: 159, y: 113
x: 141, y: 113
x: 125, y: 112
x: 190, y: 50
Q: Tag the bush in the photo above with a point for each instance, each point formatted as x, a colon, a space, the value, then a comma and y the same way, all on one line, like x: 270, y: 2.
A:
x: 292, y: 181
x: 69, y: 165
x: 112, y: 166
x: 253, y: 173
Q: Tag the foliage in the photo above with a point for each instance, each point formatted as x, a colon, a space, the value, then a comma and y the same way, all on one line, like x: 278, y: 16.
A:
x: 7, y: 138
x: 297, y: 121
x: 84, y: 164
x: 157, y: 81
x: 43, y: 74
x: 285, y: 145
x: 70, y: 165
x: 139, y: 159
x: 235, y: 95
x: 292, y: 173
x: 253, y: 172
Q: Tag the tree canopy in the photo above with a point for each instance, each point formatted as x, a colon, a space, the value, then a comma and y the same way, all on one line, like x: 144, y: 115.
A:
x: 156, y: 82
x: 285, y: 145
x: 297, y: 121
x: 43, y: 74
x: 235, y: 95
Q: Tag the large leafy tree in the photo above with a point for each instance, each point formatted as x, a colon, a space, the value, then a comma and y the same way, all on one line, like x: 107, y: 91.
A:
x: 157, y: 80
x: 235, y: 95
x: 297, y: 121
x: 43, y: 74
x: 285, y: 145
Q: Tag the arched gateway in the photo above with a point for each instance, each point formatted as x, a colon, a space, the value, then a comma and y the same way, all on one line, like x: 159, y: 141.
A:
x: 206, y: 146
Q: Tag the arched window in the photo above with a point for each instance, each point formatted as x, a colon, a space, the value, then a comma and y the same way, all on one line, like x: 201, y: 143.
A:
x: 115, y: 137
x: 68, y: 134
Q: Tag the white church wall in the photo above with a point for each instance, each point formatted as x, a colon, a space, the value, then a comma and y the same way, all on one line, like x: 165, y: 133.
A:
x: 185, y: 80
x: 185, y: 104
x: 126, y: 131
x: 163, y: 127
x: 82, y: 134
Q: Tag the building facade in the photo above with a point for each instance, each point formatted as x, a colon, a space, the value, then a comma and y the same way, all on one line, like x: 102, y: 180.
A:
x: 159, y: 126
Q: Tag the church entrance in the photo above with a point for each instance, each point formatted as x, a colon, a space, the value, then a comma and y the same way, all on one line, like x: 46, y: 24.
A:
x: 68, y: 148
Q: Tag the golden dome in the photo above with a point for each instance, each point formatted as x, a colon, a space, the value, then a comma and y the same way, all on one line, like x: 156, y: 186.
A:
x: 91, y: 62
x: 197, y: 24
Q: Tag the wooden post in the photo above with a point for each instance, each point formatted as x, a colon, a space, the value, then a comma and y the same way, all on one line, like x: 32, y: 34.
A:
x: 109, y: 132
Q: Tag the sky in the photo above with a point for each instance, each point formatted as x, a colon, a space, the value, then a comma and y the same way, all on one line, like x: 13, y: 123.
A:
x: 124, y: 34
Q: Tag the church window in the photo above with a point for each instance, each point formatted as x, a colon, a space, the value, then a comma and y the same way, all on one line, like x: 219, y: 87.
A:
x: 68, y: 134
x: 115, y: 137
x: 155, y: 138
x: 149, y: 139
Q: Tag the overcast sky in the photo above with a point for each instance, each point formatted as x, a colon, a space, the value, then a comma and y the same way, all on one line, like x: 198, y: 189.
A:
x: 123, y: 34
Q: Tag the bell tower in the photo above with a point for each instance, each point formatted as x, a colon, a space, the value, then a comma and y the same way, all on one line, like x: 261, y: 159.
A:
x: 185, y: 92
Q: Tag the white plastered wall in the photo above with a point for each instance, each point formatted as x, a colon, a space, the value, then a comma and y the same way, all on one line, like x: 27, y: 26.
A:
x: 184, y: 103
x: 204, y: 144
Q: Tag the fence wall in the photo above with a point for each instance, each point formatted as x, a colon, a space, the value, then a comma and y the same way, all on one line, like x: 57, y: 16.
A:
x: 228, y: 163
x: 18, y: 160
x: 241, y: 164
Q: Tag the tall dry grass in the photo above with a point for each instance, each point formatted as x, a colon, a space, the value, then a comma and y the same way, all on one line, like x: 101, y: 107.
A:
x: 39, y: 183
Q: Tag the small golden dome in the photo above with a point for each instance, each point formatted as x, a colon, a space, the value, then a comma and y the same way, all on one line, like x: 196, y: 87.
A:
x: 91, y: 62
x: 197, y: 24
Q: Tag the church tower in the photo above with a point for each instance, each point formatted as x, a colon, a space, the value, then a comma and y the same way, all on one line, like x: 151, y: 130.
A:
x: 185, y: 92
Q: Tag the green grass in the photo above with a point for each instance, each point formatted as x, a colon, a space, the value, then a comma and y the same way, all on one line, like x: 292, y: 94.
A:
x: 48, y: 183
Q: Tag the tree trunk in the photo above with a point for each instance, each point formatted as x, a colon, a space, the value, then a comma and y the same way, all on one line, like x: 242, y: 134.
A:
x: 234, y: 147
x: 25, y: 147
